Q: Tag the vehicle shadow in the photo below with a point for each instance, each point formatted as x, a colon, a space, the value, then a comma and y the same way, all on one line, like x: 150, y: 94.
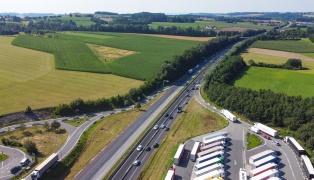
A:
x: 185, y: 158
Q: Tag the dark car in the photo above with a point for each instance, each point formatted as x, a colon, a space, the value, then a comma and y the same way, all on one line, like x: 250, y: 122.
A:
x: 166, y: 115
x: 15, y: 169
x: 170, y: 117
x: 147, y: 148
x: 155, y: 145
x: 277, y: 153
x: 166, y: 128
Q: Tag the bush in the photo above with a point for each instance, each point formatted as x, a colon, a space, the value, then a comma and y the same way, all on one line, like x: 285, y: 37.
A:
x: 55, y: 124
x: 60, y: 131
x: 27, y: 133
x: 30, y: 147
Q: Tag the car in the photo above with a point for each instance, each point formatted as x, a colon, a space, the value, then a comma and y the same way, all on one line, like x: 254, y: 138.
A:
x: 139, y: 148
x: 162, y: 126
x: 193, y: 88
x: 186, y: 102
x: 196, y: 88
x: 170, y: 117
x: 277, y: 153
x: 276, y: 143
x: 24, y: 162
x: 147, y: 148
x: 266, y: 137
x: 155, y: 145
x: 15, y: 169
x: 166, y: 115
x: 136, y: 162
x: 156, y: 127
x: 166, y: 128
x: 187, y: 95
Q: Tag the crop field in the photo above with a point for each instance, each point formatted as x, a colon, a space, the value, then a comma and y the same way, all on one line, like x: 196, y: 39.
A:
x: 72, y: 53
x: 196, y: 121
x: 298, y: 46
x: 28, y: 78
x: 80, y: 21
x: 219, y: 24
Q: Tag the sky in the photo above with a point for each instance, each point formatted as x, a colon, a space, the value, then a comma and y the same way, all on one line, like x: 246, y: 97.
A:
x: 162, y: 6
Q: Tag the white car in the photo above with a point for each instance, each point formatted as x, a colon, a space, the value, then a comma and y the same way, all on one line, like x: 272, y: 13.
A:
x: 136, y: 162
x: 162, y: 126
x: 139, y: 148
x: 156, y: 127
x: 276, y: 143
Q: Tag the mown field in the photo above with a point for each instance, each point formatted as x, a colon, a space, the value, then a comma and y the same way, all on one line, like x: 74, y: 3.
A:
x: 298, y: 46
x: 28, y: 78
x: 195, y: 121
x: 80, y: 21
x: 72, y: 53
x: 219, y: 24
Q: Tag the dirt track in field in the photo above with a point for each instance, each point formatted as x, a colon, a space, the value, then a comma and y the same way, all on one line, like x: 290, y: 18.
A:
x: 279, y: 54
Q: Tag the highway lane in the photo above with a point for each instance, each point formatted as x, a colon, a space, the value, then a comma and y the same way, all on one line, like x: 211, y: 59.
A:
x: 127, y: 170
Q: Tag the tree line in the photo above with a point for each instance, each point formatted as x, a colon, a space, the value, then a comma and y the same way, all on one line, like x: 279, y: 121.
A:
x: 293, y: 64
x: 171, y: 70
x: 276, y: 109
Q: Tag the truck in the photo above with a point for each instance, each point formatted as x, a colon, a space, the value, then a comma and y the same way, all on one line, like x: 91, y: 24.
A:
x: 212, y: 135
x: 260, y: 155
x: 209, y: 151
x: 44, y: 166
x: 194, y: 150
x: 307, y: 167
x: 210, y: 156
x: 262, y: 169
x: 229, y: 115
x: 295, y: 146
x: 178, y: 154
x: 170, y: 175
x: 254, y: 129
x: 190, y: 71
x: 212, y: 140
x: 208, y: 163
x: 208, y: 169
x: 211, y: 175
x: 266, y: 175
x: 266, y: 129
x: 268, y: 159
x: 221, y: 143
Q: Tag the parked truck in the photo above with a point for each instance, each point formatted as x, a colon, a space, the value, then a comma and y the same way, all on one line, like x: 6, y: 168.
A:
x: 254, y: 129
x: 179, y: 153
x: 229, y: 115
x: 266, y: 129
x: 44, y: 166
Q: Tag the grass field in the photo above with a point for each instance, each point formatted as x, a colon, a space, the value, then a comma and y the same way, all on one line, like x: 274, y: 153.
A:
x: 3, y: 157
x: 151, y: 52
x: 76, y: 122
x: 28, y: 78
x: 219, y: 24
x: 298, y: 46
x: 195, y: 121
x: 252, y: 141
x: 80, y: 21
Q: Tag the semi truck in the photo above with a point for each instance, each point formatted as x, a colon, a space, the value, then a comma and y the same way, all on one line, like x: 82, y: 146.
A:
x: 210, y: 156
x: 254, y: 129
x: 209, y: 151
x: 229, y: 115
x: 178, y: 154
x: 295, y: 146
x: 44, y: 166
x: 267, y: 159
x: 210, y: 136
x: 211, y: 175
x: 262, y: 169
x: 208, y: 169
x: 266, y: 129
x: 221, y: 143
x: 266, y: 175
x: 242, y: 174
x: 170, y: 175
x: 194, y: 150
x: 205, y: 164
x: 260, y: 155
x: 213, y: 140
x: 307, y: 166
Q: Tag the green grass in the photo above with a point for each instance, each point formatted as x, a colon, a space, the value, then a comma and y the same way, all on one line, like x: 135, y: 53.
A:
x: 3, y: 157
x: 290, y: 82
x: 76, y: 122
x: 72, y: 53
x: 298, y: 46
x: 194, y: 121
x: 252, y: 141
x: 28, y: 78
x: 294, y: 28
x: 219, y: 24
x: 80, y: 21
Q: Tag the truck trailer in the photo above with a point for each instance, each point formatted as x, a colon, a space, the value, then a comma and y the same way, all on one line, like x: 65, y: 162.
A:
x: 242, y: 174
x: 178, y: 154
x: 210, y: 175
x: 208, y: 169
x: 229, y: 115
x: 213, y: 140
x: 194, y: 150
x: 295, y: 146
x: 221, y: 143
x: 170, y: 175
x: 260, y: 155
x: 262, y: 169
x: 266, y: 175
x: 209, y: 151
x: 307, y: 167
x: 210, y: 136
x: 267, y: 159
x: 266, y: 129
x: 205, y: 164
x: 44, y: 166
x: 209, y: 156
x: 254, y: 129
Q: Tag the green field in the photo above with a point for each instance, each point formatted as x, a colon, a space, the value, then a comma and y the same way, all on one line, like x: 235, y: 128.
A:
x: 298, y: 46
x: 3, y: 157
x: 28, y: 78
x: 219, y: 24
x: 72, y: 53
x: 80, y: 21
x: 252, y: 141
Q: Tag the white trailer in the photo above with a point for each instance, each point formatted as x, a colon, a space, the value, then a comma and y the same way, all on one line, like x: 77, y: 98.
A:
x: 209, y: 151
x: 267, y: 159
x: 260, y: 155
x: 265, y: 175
x: 242, y: 174
x: 221, y: 143
x: 205, y: 164
x: 262, y: 169
x: 213, y: 174
x: 44, y: 166
x: 178, y: 154
x: 254, y: 129
x: 209, y: 156
x: 266, y: 129
x: 229, y: 115
x: 208, y: 169
x: 307, y: 166
x: 296, y: 147
x: 212, y: 135
x: 170, y: 174
x: 194, y: 150
x: 212, y: 140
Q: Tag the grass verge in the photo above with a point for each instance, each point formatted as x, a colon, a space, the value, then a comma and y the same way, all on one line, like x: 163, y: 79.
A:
x: 76, y: 122
x: 195, y: 120
x: 3, y: 157
x: 252, y: 141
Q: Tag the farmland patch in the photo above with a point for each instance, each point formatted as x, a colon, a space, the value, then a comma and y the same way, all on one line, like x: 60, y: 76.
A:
x: 279, y: 53
x: 297, y: 46
x: 107, y: 53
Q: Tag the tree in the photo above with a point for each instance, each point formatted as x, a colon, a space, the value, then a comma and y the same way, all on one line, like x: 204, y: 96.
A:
x: 46, y: 125
x: 251, y: 62
x: 55, y: 124
x: 138, y: 105
x: 22, y: 127
x: 28, y: 110
x: 30, y: 147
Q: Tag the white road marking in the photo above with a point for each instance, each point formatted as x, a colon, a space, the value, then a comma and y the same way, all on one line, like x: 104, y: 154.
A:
x: 288, y: 162
x: 235, y: 162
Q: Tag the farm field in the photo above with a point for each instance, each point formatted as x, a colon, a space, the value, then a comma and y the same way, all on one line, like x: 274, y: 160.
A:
x: 150, y: 54
x: 297, y: 46
x: 219, y: 24
x: 28, y: 78
x: 80, y: 21
x: 194, y: 122
x: 202, y: 39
